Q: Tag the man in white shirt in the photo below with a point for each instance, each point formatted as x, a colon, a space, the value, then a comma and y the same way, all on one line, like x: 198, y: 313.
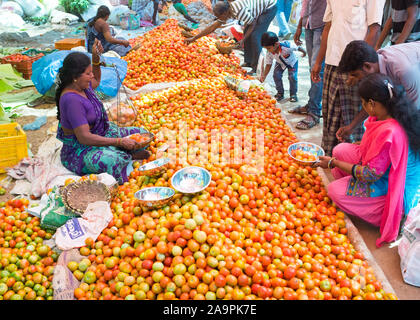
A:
x: 346, y: 20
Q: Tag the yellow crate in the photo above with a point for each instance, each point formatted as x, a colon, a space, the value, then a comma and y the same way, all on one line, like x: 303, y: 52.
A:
x: 13, y: 145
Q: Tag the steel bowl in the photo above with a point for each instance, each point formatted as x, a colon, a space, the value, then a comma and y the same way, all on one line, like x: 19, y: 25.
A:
x: 154, y: 197
x: 154, y: 168
x: 191, y: 179
x: 312, y: 148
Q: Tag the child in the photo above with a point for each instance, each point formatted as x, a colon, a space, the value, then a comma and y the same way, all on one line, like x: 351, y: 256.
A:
x: 283, y: 53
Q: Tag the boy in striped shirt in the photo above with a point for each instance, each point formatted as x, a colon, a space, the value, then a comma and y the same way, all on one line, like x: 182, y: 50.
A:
x: 284, y: 55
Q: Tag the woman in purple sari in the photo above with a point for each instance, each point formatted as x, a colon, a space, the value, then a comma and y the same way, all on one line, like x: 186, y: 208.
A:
x: 91, y: 144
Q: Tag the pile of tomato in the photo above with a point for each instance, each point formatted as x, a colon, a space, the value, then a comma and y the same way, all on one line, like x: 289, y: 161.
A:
x: 272, y: 234
x: 26, y: 263
x: 164, y: 57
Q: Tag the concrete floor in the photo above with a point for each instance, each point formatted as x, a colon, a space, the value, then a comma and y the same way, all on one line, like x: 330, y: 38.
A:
x: 385, y: 258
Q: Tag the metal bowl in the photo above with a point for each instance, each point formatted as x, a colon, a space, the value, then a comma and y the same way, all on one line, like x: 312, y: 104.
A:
x: 154, y: 197
x: 309, y: 147
x: 146, y: 143
x: 155, y: 167
x: 191, y: 179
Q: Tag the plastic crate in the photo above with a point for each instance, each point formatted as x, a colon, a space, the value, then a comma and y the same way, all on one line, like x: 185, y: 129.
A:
x: 24, y: 66
x: 13, y: 145
x: 69, y: 43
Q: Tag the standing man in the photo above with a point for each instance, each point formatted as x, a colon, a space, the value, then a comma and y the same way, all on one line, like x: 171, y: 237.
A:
x: 312, y: 20
x: 256, y: 15
x: 345, y: 21
x: 404, y: 23
x: 282, y: 17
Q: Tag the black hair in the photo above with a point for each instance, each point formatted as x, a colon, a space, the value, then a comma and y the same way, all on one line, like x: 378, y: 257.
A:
x: 220, y: 8
x: 269, y: 39
x: 102, y: 12
x: 375, y: 87
x: 355, y: 55
x: 74, y: 65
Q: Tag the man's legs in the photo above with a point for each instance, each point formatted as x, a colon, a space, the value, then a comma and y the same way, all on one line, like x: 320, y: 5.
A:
x: 252, y: 46
x: 282, y: 16
x: 315, y: 92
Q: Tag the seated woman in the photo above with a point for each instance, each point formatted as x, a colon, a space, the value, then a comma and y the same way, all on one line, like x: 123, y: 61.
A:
x: 379, y: 180
x: 98, y: 28
x: 91, y: 144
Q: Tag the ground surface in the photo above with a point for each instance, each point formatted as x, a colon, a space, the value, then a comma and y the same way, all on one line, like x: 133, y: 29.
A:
x: 386, y: 258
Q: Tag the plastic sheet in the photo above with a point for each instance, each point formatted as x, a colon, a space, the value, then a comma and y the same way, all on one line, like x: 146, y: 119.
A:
x: 45, y: 70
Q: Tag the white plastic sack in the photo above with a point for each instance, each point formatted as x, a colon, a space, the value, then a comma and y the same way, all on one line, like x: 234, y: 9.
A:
x: 102, y: 3
x: 409, y: 248
x: 93, y: 221
x: 116, y: 12
x: 13, y: 7
x: 295, y: 12
x: 60, y: 17
x: 90, y: 12
x: 10, y: 20
x: 32, y: 8
x: 50, y: 5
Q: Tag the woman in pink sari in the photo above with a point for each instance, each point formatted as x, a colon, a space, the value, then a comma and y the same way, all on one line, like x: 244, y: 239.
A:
x: 378, y: 180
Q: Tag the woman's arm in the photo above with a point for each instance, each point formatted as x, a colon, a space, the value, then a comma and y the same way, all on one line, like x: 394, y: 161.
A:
x: 85, y: 137
x: 96, y: 68
x: 106, y: 31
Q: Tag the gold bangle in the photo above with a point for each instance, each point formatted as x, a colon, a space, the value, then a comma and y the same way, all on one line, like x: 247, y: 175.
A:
x: 330, y: 162
x: 96, y: 63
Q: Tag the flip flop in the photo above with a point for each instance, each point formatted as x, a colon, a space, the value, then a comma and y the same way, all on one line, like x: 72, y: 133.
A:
x: 306, y: 124
x: 299, y: 110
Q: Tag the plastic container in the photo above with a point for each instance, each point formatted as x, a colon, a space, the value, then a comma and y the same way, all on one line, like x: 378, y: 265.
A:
x: 69, y: 43
x: 13, y: 145
x: 23, y: 66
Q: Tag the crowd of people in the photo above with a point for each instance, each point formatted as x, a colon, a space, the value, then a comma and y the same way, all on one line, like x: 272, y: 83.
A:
x: 367, y: 96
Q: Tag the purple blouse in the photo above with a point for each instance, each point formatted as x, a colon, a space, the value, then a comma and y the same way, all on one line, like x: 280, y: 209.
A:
x: 76, y: 110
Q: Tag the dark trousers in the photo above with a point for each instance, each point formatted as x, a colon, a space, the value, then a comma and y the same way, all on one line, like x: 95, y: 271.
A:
x: 293, y: 79
x: 252, y: 45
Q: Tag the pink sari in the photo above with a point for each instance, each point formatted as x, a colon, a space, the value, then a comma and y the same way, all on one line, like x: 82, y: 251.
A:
x: 377, y: 135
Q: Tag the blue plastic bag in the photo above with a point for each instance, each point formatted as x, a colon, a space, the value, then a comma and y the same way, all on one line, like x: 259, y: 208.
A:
x: 44, y: 72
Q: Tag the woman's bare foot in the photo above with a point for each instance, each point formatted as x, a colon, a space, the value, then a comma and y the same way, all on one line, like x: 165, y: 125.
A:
x: 141, y: 155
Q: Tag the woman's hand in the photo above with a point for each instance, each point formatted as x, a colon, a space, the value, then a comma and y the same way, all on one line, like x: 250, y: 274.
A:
x: 128, y: 144
x: 188, y: 41
x: 97, y: 49
x: 125, y: 43
x: 323, y: 162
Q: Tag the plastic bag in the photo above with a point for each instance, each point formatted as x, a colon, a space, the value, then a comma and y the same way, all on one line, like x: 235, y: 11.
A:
x: 10, y: 20
x: 54, y: 214
x: 295, y: 12
x: 93, y: 221
x: 60, y: 17
x: 32, y: 8
x: 116, y: 12
x: 409, y: 248
x: 129, y: 21
x: 64, y: 282
x: 13, y: 7
x: 44, y: 72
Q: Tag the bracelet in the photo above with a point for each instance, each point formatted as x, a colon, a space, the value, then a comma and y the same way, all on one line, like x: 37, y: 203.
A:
x: 118, y: 142
x: 330, y: 162
x: 96, y: 63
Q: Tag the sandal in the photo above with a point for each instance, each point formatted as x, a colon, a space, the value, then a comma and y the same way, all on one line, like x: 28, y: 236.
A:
x: 293, y: 98
x: 309, y: 122
x: 299, y: 110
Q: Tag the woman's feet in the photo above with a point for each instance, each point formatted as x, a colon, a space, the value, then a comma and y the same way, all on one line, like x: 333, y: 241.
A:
x: 141, y: 155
